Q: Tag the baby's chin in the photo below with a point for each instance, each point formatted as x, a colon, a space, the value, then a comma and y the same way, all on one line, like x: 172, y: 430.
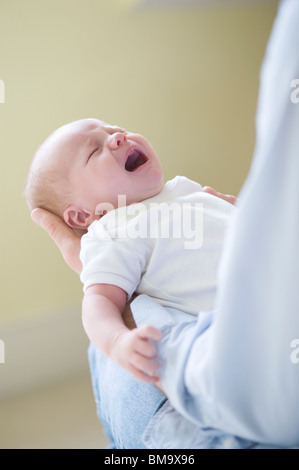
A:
x: 160, y: 184
x: 154, y: 192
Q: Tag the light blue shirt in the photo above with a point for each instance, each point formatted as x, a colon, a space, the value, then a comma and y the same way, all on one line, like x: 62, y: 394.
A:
x: 230, y: 372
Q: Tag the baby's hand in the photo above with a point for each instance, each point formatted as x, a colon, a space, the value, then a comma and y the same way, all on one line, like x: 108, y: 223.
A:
x: 134, y: 351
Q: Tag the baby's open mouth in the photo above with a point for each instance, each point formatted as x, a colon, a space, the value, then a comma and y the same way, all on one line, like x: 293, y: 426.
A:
x: 135, y: 160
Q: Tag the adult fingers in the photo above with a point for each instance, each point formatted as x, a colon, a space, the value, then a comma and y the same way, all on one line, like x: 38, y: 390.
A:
x: 227, y: 197
x: 65, y: 238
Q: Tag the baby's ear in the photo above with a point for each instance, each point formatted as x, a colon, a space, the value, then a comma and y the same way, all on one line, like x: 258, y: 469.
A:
x: 76, y: 217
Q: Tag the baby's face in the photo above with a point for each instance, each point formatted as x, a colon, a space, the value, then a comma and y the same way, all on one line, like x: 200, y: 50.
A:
x: 103, y: 162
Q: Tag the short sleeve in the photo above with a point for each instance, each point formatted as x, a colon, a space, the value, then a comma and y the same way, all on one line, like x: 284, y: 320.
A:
x: 109, y: 260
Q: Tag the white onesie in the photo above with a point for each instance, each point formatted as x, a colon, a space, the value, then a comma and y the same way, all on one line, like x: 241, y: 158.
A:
x: 167, y: 246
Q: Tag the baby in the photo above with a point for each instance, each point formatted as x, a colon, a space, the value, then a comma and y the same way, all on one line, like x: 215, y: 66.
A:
x: 139, y: 235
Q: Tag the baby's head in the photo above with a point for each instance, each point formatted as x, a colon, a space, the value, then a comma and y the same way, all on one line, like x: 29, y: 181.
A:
x: 87, y: 163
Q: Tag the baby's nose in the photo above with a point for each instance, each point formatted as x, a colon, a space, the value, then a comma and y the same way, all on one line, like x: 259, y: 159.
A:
x: 116, y: 140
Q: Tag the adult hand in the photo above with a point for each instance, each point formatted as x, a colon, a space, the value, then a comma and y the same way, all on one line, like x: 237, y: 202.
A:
x: 68, y: 243
x: 227, y: 197
x: 65, y: 238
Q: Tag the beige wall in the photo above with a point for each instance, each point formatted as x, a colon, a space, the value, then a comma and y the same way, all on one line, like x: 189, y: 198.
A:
x: 186, y: 78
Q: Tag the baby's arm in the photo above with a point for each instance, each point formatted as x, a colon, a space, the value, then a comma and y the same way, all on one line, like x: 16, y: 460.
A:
x: 102, y: 309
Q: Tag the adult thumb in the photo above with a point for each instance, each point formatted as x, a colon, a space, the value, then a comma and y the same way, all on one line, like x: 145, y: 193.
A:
x: 37, y: 216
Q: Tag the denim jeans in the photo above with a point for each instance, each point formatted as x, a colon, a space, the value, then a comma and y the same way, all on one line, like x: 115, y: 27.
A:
x: 136, y: 415
x: 125, y: 406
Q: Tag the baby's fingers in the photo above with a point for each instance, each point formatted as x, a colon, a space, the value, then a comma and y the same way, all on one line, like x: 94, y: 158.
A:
x: 143, y: 363
x: 142, y: 376
x: 144, y: 340
x: 149, y: 332
x: 145, y: 348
